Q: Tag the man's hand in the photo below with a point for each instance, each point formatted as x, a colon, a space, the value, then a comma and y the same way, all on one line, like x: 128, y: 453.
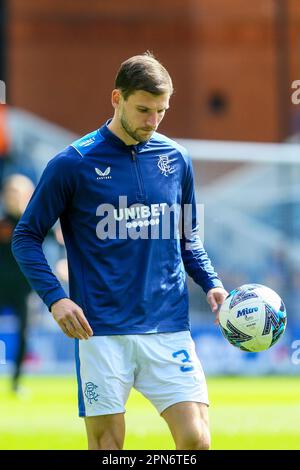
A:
x: 71, y: 319
x: 215, y: 297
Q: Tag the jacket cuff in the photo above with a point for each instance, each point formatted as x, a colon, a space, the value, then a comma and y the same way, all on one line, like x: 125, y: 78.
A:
x: 211, y: 284
x: 54, y: 296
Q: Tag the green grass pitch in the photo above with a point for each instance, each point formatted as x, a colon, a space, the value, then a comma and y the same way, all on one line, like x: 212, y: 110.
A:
x: 245, y: 413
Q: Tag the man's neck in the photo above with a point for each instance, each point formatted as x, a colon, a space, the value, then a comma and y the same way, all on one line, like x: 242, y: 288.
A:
x: 116, y: 128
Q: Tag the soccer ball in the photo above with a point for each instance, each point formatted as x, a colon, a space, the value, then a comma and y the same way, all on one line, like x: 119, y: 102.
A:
x: 252, y: 317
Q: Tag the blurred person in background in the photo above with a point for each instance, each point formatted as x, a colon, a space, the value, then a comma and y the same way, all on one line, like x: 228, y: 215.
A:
x: 128, y: 296
x: 61, y: 266
x: 14, y: 288
x: 4, y: 141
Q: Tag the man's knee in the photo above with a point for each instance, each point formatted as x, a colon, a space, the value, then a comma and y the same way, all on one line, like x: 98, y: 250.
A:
x: 194, y: 441
x: 204, y: 443
x: 105, y: 441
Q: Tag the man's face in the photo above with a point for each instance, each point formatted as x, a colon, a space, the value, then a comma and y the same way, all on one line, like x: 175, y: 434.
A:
x: 16, y: 194
x: 141, y: 114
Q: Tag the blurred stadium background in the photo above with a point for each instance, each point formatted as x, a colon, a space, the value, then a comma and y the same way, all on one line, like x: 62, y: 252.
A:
x: 233, y: 64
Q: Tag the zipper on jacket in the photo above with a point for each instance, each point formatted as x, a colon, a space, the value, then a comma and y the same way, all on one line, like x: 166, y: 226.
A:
x: 141, y: 193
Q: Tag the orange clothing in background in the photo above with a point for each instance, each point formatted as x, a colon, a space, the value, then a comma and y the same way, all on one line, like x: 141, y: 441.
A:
x: 4, y: 141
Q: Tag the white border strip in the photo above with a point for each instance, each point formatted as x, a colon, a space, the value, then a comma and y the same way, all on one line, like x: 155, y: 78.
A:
x: 229, y: 151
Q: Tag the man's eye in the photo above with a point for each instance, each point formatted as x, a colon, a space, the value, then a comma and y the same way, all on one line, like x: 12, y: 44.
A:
x: 143, y: 110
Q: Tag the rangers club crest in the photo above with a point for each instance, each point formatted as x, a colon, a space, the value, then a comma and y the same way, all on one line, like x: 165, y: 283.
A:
x: 164, y: 165
x: 90, y: 392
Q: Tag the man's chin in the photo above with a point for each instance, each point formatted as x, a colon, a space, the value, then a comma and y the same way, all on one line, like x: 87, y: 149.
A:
x: 144, y: 136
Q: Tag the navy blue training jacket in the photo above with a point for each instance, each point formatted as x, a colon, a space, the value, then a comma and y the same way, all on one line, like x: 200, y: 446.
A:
x: 126, y: 256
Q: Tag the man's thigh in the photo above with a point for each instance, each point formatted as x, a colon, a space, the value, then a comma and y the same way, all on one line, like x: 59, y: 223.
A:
x: 169, y: 370
x: 105, y: 374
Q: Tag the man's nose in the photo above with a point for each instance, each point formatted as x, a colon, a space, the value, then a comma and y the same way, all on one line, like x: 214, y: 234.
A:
x: 152, y: 120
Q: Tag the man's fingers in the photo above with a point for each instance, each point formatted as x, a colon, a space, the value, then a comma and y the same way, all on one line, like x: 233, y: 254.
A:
x: 69, y: 329
x: 215, y: 298
x: 214, y: 307
x: 217, y: 319
x: 65, y: 330
x: 73, y: 328
x: 84, y: 323
x: 71, y: 319
x: 78, y: 328
x: 213, y: 304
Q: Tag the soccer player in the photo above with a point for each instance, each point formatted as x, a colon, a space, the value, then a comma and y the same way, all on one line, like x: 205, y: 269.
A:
x: 117, y: 192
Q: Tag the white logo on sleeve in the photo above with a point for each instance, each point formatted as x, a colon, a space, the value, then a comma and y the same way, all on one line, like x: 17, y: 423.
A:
x: 103, y: 175
x: 87, y: 142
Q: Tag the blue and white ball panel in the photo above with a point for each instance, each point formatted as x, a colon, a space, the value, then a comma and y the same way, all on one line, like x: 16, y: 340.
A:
x: 253, y: 317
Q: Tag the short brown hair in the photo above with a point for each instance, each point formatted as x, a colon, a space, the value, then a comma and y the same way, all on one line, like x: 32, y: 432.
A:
x: 143, y: 72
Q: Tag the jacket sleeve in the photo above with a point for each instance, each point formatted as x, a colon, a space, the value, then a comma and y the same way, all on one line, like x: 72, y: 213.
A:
x: 46, y: 205
x: 196, y: 261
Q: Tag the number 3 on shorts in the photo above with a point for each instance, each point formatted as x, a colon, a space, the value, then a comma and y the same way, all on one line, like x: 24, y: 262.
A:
x: 186, y: 358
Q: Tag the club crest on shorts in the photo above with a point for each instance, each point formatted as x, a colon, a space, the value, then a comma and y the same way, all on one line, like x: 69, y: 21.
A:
x: 90, y: 392
x: 164, y: 165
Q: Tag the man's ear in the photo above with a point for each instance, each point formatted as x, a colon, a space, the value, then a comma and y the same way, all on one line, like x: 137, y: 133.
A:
x: 116, y: 98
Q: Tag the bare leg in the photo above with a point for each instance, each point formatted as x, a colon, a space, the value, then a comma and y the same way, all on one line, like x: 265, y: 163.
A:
x: 188, y: 423
x: 106, y: 432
